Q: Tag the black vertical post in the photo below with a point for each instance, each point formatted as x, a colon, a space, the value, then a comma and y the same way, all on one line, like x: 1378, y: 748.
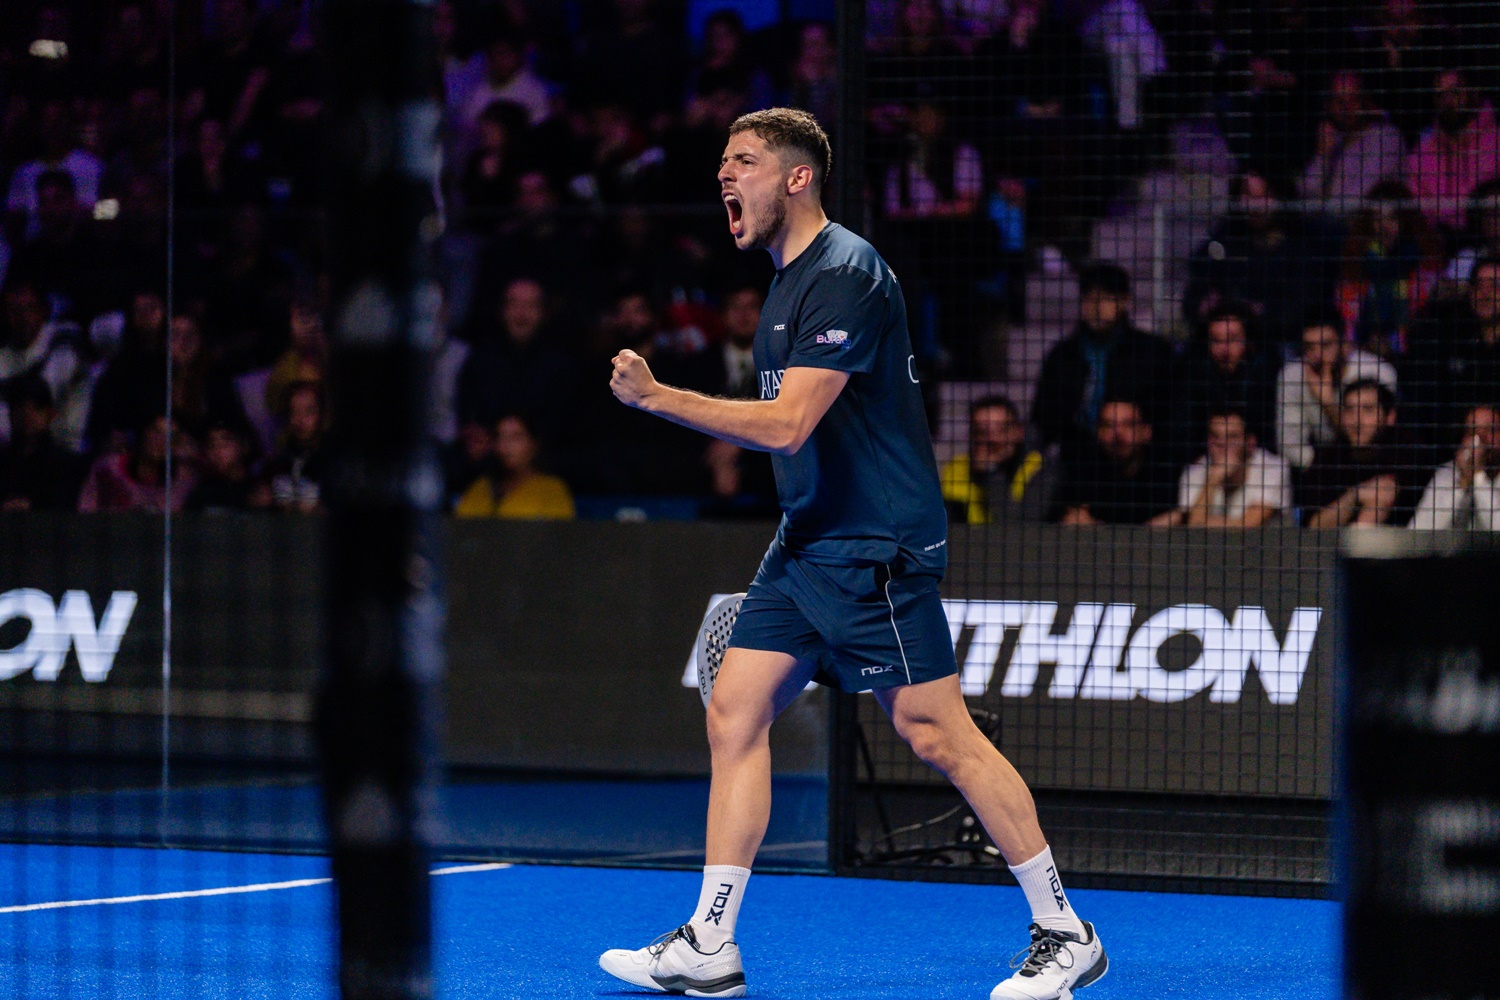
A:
x: 384, y: 661
x: 1419, y: 844
x: 848, y: 211
x: 849, y: 131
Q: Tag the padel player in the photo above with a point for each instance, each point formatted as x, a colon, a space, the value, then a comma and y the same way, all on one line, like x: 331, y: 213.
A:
x: 848, y: 591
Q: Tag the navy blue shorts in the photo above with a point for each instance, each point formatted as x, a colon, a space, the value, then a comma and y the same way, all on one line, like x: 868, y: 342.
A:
x: 867, y: 627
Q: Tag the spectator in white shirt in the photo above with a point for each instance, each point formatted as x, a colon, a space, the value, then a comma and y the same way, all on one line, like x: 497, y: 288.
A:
x: 32, y: 344
x: 1237, y: 484
x: 1309, y: 389
x: 1465, y: 493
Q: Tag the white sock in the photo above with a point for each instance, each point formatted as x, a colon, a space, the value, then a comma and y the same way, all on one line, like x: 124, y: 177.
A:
x: 1050, y: 908
x: 719, y: 905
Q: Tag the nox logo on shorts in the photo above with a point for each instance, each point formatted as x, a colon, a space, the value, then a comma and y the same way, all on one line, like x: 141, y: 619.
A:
x: 770, y: 383
x: 1102, y: 656
x: 867, y: 671
x: 54, y: 629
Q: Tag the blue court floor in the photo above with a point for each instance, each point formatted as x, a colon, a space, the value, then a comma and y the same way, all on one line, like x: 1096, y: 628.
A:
x: 536, y: 931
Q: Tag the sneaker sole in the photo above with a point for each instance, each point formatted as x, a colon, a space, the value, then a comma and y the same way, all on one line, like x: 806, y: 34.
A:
x: 1096, y: 972
x: 1093, y: 975
x: 634, y: 975
x: 732, y: 985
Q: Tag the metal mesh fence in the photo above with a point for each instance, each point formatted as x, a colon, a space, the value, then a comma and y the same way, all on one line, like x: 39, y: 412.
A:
x: 1194, y: 284
x: 1190, y: 284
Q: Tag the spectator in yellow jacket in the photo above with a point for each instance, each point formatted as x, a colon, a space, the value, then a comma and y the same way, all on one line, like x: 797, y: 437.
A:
x: 999, y: 478
x: 511, y: 486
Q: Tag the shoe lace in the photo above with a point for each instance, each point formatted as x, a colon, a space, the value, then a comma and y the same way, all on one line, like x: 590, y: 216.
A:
x: 1046, y: 947
x: 661, y: 944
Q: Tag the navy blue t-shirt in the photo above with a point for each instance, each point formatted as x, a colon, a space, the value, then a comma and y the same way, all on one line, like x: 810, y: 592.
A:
x: 864, y: 487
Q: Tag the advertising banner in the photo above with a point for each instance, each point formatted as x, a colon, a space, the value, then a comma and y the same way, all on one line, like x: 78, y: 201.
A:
x: 1115, y: 659
x: 1140, y: 659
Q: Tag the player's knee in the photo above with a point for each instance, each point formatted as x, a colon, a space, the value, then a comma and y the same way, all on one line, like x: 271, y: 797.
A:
x: 930, y: 743
x: 733, y: 730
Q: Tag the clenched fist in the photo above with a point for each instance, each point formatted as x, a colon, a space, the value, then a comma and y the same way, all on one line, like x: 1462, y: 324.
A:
x: 632, y: 380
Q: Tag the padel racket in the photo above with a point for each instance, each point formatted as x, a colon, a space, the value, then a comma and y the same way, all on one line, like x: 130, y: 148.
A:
x: 713, y: 641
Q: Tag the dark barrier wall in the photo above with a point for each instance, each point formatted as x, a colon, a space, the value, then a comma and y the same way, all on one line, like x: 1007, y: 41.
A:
x: 1181, y: 661
x: 567, y: 644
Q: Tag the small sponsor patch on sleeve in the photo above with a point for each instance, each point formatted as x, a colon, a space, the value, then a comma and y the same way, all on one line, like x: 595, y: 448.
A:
x: 839, y: 337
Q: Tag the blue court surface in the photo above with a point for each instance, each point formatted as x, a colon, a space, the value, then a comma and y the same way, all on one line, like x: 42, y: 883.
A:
x: 536, y: 931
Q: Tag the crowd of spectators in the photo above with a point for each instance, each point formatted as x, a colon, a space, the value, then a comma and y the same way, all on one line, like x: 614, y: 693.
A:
x: 1337, y: 346
x: 1127, y: 430
x: 580, y: 145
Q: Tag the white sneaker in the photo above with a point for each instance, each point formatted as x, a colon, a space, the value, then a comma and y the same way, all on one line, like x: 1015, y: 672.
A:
x: 1054, y: 965
x: 673, y: 964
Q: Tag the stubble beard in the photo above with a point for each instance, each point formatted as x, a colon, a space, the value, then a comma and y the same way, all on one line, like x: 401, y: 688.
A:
x: 773, y: 215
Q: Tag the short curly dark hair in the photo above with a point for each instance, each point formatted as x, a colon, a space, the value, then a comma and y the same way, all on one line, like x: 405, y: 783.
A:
x: 794, y: 129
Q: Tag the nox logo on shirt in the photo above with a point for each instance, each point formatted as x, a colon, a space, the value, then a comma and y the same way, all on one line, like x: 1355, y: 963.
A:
x: 770, y: 383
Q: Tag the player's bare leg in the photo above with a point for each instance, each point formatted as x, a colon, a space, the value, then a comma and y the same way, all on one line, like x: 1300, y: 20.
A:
x: 1065, y: 953
x: 752, y: 688
x: 701, y: 957
x: 934, y: 720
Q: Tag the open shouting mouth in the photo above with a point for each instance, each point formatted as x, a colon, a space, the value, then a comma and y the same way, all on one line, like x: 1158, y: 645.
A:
x: 736, y: 213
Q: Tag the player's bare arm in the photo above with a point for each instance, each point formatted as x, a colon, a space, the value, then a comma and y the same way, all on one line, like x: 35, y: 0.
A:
x: 781, y: 425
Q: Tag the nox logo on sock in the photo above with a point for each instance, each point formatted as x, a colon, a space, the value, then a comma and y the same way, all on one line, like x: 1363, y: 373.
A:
x: 1057, y: 893
x: 716, y: 909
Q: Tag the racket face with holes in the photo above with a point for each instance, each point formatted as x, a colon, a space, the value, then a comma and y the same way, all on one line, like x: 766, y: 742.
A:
x: 713, y: 641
